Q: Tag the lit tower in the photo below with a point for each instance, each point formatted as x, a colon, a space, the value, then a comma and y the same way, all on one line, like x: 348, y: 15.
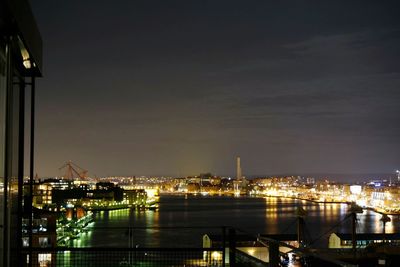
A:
x: 398, y: 175
x: 238, y: 169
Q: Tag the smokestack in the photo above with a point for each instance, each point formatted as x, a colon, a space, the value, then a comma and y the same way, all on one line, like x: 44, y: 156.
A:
x: 238, y: 169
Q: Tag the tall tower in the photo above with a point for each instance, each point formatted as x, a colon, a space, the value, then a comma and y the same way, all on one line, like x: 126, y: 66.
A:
x: 238, y: 169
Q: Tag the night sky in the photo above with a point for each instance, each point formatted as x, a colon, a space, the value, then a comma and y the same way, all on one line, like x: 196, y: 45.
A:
x: 182, y: 87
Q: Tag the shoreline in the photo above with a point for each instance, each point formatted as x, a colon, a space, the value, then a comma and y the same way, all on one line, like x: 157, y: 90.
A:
x: 377, y: 210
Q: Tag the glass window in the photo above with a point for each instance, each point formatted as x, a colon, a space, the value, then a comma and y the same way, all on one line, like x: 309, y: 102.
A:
x: 3, y: 87
x: 25, y: 241
x: 44, y: 259
x: 43, y: 242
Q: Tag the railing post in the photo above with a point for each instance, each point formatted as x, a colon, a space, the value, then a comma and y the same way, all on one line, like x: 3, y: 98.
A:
x: 31, y: 169
x: 273, y: 250
x: 223, y: 245
x: 232, y: 247
x: 354, y: 233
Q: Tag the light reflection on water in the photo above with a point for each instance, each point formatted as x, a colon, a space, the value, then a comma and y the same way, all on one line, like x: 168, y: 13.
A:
x: 254, y: 215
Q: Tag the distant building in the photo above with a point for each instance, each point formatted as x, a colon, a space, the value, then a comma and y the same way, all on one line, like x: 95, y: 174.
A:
x: 344, y: 240
x: 41, y: 195
x: 134, y: 197
x: 310, y: 180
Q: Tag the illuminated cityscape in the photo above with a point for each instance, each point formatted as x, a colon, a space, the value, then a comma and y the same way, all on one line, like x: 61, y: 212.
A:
x: 380, y: 195
x: 78, y: 198
x: 199, y: 133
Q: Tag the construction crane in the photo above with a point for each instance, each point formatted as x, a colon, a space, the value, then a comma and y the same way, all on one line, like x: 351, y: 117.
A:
x: 73, y: 171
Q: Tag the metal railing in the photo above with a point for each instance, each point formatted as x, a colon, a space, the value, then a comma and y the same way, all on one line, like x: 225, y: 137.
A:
x: 228, y: 251
x: 126, y: 257
x: 274, y: 253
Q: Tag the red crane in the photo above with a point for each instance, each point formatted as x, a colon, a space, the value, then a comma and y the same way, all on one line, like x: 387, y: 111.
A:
x: 73, y: 171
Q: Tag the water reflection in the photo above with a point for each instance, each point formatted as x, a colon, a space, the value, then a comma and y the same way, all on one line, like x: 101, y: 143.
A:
x: 254, y: 215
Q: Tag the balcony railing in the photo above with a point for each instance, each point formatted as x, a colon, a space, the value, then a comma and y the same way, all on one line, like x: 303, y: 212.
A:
x: 227, y: 250
x: 126, y: 257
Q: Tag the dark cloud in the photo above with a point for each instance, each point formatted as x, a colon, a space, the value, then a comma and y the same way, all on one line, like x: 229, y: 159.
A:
x: 180, y: 87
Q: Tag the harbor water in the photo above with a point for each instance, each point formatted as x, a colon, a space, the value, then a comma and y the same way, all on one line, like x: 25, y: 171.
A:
x: 181, y: 221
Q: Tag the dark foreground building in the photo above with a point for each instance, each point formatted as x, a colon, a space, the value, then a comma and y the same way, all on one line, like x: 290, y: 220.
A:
x: 20, y: 63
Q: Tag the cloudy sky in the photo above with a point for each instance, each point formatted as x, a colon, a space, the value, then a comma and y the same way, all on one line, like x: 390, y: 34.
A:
x: 183, y: 87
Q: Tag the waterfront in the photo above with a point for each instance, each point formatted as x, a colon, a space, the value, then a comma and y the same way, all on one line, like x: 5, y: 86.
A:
x: 204, y: 214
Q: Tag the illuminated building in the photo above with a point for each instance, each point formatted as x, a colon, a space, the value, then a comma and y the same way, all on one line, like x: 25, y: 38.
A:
x: 341, y: 240
x: 41, y: 195
x: 135, y: 197
x: 43, y: 236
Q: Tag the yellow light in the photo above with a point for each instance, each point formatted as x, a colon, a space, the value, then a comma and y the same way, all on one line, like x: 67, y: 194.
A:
x: 151, y: 193
x: 216, y: 256
x: 251, y: 251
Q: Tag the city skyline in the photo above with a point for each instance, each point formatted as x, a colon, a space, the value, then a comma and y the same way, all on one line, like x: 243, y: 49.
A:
x: 183, y: 87
x: 79, y: 172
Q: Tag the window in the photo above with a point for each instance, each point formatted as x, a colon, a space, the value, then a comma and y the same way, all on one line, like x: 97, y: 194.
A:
x: 25, y: 241
x: 44, y: 259
x: 43, y: 242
